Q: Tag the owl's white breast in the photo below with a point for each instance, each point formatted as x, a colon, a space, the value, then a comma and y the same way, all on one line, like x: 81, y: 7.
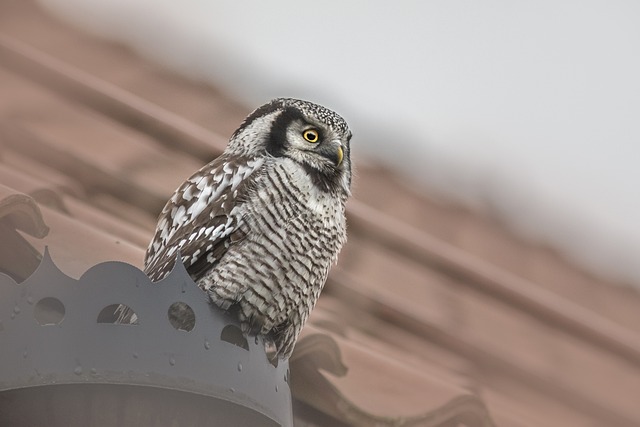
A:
x: 326, y: 207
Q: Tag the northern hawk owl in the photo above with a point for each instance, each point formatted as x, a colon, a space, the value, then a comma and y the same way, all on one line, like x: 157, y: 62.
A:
x: 259, y: 227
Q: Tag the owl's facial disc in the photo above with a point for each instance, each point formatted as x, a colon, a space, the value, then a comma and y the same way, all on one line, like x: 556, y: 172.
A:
x: 316, y: 143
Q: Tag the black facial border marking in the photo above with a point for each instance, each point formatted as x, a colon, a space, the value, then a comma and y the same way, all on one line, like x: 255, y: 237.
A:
x: 327, y: 180
x: 277, y: 142
x: 262, y: 111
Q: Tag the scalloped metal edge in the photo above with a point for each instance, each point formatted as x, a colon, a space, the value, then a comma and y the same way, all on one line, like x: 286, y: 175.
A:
x: 152, y: 353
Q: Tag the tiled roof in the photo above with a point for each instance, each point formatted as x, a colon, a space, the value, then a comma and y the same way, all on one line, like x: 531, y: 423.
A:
x: 434, y: 316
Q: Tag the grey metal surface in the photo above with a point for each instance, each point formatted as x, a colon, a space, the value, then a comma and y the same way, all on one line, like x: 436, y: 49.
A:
x: 80, y: 357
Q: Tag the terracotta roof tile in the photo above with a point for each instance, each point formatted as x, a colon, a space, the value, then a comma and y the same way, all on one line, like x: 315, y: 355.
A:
x: 501, y: 339
x: 531, y: 409
x: 101, y: 220
x: 75, y: 247
x: 111, y: 100
x: 42, y: 192
x: 108, y: 158
x: 335, y: 376
x: 124, y: 211
x: 45, y: 175
x: 216, y: 110
x: 19, y: 212
x: 380, y: 335
x: 485, y: 238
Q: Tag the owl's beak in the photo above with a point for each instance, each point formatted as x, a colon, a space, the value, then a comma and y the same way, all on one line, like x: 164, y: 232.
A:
x: 333, y: 151
x: 339, y: 155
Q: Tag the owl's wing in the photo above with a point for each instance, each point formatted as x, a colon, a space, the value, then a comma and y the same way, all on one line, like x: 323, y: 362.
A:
x: 201, y: 217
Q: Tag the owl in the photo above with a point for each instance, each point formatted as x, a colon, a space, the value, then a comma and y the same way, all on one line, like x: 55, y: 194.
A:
x: 259, y: 227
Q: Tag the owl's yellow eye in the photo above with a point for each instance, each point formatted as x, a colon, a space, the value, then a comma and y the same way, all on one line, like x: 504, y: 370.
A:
x: 311, y: 135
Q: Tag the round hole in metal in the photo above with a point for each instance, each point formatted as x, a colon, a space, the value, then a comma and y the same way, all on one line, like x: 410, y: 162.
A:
x: 49, y: 311
x: 271, y: 350
x: 118, y: 314
x: 182, y: 317
x: 232, y: 334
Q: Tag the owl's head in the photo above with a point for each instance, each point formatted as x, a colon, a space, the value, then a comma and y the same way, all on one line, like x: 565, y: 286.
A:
x: 309, y: 134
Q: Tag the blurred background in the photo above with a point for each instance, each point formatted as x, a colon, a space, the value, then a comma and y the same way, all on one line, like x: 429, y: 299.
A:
x: 526, y: 111
x: 492, y: 270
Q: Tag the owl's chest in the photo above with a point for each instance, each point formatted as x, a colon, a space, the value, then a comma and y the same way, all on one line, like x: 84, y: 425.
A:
x: 289, y: 198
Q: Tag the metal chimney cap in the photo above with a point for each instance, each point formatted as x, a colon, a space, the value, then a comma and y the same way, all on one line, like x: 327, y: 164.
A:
x: 50, y: 336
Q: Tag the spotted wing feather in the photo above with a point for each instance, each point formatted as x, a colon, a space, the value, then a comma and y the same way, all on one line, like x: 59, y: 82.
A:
x: 201, y: 217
